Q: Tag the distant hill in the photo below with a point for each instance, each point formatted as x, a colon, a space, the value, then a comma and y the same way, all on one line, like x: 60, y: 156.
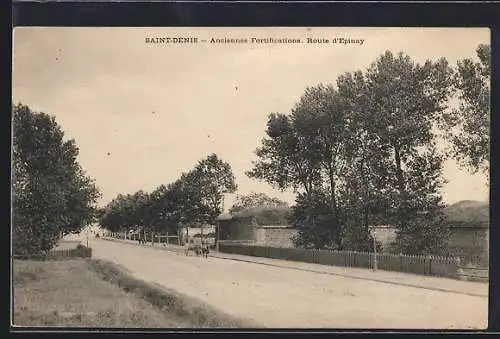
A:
x: 468, y: 211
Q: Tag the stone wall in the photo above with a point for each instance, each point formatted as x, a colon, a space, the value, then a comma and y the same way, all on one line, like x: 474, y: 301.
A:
x: 276, y: 236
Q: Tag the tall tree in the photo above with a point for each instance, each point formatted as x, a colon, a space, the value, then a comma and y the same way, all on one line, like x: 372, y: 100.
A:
x: 405, y: 100
x: 141, y: 211
x: 51, y: 192
x: 469, y: 126
x: 305, y: 151
x: 284, y: 160
x: 212, y: 178
x: 322, y: 122
x: 163, y: 207
x: 367, y: 160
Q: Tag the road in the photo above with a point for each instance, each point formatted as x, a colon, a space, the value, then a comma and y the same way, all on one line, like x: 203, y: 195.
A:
x: 281, y: 297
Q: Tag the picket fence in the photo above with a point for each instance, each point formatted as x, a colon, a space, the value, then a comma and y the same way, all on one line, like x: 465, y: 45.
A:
x: 69, y: 253
x: 424, y: 265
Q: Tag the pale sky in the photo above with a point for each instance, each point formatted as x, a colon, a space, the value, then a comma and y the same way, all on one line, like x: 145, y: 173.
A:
x: 159, y: 108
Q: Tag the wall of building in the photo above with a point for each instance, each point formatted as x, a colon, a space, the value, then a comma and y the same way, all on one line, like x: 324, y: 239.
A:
x: 276, y: 236
x: 470, y: 242
x: 385, y: 235
x: 465, y: 241
x: 237, y: 229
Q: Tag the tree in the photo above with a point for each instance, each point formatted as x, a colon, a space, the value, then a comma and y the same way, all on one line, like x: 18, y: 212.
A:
x: 51, y: 192
x: 363, y: 153
x: 315, y: 221
x: 193, y: 198
x: 284, y: 158
x: 141, y: 211
x: 211, y: 179
x: 366, y: 170
x: 116, y: 215
x: 469, y: 126
x: 131, y: 212
x: 163, y: 208
x: 254, y: 199
x: 404, y: 102
x: 323, y: 121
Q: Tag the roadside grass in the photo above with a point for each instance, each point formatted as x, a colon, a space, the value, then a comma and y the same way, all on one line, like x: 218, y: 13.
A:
x: 94, y: 293
x: 196, y: 312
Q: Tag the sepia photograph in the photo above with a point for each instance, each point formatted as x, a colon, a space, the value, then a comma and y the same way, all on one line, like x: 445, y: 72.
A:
x: 250, y: 178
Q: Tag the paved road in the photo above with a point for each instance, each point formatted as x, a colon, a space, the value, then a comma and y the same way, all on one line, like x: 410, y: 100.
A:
x: 302, y: 298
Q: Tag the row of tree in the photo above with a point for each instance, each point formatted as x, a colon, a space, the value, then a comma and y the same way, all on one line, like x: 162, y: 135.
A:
x: 51, y: 193
x: 360, y: 153
x: 195, y: 198
x: 365, y: 151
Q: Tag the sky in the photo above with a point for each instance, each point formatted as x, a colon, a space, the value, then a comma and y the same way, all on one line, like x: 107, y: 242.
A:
x: 143, y: 113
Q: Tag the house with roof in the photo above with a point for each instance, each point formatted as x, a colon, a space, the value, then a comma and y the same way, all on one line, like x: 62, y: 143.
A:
x: 262, y: 225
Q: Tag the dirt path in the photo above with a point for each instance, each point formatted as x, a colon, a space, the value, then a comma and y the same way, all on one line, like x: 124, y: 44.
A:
x: 293, y: 298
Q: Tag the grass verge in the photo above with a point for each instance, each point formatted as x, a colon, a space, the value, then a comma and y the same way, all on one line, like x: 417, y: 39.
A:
x: 196, y: 312
x: 94, y: 293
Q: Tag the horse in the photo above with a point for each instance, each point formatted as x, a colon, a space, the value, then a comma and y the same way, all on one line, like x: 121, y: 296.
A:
x: 193, y: 247
x: 205, y: 250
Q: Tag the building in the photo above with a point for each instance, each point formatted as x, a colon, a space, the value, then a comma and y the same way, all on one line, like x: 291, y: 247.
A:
x: 261, y: 226
x: 468, y: 224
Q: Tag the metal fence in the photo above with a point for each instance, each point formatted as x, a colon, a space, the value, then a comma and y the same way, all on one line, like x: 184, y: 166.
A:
x: 424, y: 265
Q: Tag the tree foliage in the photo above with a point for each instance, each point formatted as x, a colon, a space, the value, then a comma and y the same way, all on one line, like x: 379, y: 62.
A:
x: 285, y: 161
x: 196, y: 197
x: 51, y: 192
x: 210, y: 180
x: 254, y: 199
x: 469, y: 126
x: 404, y: 102
x: 363, y: 153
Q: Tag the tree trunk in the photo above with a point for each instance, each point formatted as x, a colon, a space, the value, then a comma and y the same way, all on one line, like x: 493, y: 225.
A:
x: 334, y: 205
x: 366, y: 197
x: 403, y: 217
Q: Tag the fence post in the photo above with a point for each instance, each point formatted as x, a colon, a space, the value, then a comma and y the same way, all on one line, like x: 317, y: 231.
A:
x: 459, y: 271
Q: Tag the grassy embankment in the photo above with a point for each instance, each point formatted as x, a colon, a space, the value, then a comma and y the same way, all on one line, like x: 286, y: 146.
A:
x: 95, y: 293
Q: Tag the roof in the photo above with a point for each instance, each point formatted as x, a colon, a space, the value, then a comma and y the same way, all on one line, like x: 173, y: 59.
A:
x: 265, y: 215
x: 468, y: 212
